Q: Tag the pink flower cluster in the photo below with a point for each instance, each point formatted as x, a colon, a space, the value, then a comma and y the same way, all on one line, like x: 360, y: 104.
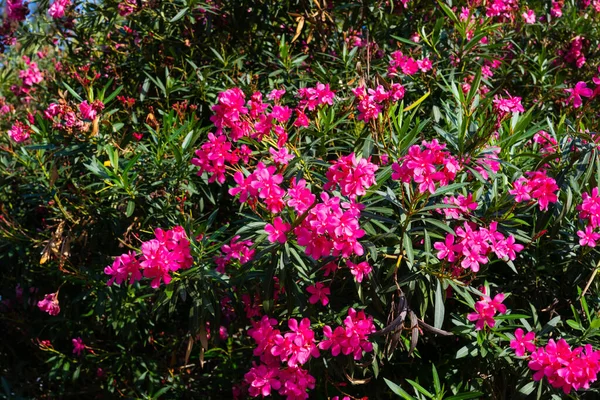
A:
x: 565, y: 368
x: 504, y: 9
x: 331, y: 228
x: 311, y: 98
x: 556, y: 10
x: 234, y: 118
x: 372, y: 102
x: 261, y: 184
x: 168, y: 251
x: 427, y: 167
x: 213, y: 156
x: 352, y: 338
x: 407, y: 64
x: 16, y: 10
x: 293, y: 349
x: 506, y: 105
x: 19, y: 132
x: 474, y: 246
x: 485, y: 310
x: 31, y: 75
x: 353, y: 175
x: 589, y: 210
x: 65, y: 117
x: 50, y: 304
x: 464, y: 206
x: 574, y: 55
x: 536, y: 185
x: 235, y: 250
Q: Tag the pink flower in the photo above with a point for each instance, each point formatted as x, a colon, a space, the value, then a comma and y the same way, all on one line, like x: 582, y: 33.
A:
x: 352, y: 338
x: 485, y: 309
x: 579, y: 90
x: 300, y: 198
x: 529, y: 16
x: 276, y: 94
x: 447, y: 249
x: 262, y: 380
x: 31, y: 75
x: 509, y: 104
x: 50, y: 304
x: 311, y: 98
x: 590, y: 208
x: 565, y: 368
x: 281, y: 156
x: 426, y: 167
x: 78, y: 346
x: 589, y: 237
x: 241, y: 251
x: 353, y: 175
x: 319, y: 292
x: 277, y: 231
x: 57, y: 9
x: 359, y: 270
x: 124, y: 266
x: 538, y: 186
x: 89, y: 111
x: 16, y: 10
x: 522, y: 344
x: 19, y: 132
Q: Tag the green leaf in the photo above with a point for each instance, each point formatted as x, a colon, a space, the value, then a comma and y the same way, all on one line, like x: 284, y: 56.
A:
x: 420, y: 388
x: 438, y: 315
x: 179, y: 15
x: 73, y: 92
x: 398, y: 390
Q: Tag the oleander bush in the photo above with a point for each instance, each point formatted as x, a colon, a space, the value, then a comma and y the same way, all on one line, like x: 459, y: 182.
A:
x: 325, y: 199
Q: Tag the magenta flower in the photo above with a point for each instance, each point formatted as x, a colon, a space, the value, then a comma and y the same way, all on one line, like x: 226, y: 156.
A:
x: 319, y: 292
x: 529, y: 16
x: 277, y: 231
x: 262, y: 380
x: 579, y: 90
x: 353, y: 175
x: 124, y: 267
x: 485, y: 309
x: 523, y: 343
x: 359, y: 270
x: 50, y: 304
x: 78, y: 346
x: 57, y: 9
x: 281, y: 156
x: 16, y: 10
x: 19, y: 132
x: 352, y: 338
x: 588, y: 237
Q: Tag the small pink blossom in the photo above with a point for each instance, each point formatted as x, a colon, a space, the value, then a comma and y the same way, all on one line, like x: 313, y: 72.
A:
x: 277, y: 231
x: 579, y: 90
x: 529, y: 16
x: 78, y: 346
x: 50, y: 304
x: 523, y: 343
x: 359, y: 270
x: 319, y: 292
